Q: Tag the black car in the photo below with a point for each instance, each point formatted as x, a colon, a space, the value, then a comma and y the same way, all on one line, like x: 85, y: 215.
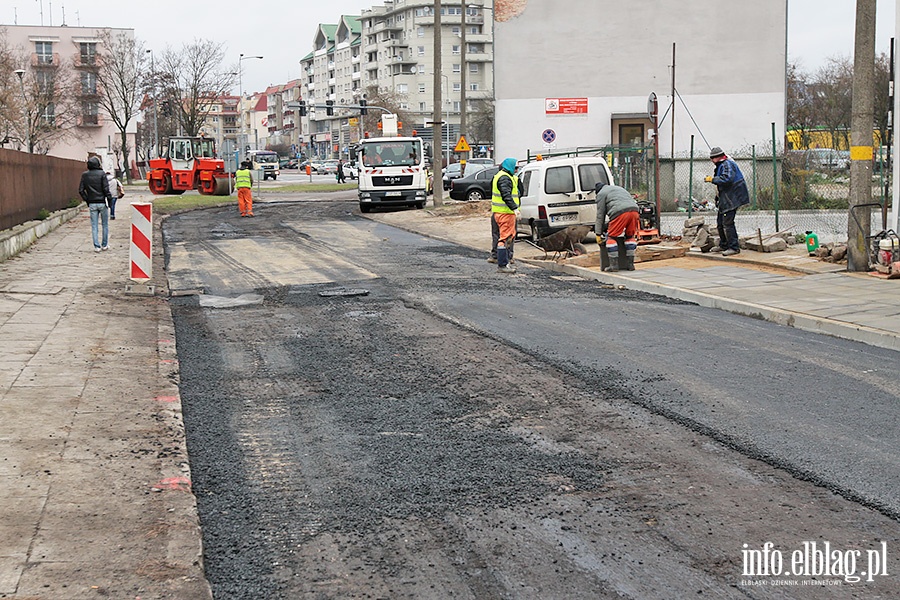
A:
x: 474, y: 187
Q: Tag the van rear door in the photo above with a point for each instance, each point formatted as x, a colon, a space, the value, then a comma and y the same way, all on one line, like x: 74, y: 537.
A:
x: 564, y: 197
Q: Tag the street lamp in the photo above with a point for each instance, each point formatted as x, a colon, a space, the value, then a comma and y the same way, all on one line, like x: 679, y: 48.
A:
x: 21, y: 74
x: 241, y: 60
x: 155, y: 107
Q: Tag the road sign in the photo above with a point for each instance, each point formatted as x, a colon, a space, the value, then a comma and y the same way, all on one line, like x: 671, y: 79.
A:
x: 548, y: 136
x: 462, y: 145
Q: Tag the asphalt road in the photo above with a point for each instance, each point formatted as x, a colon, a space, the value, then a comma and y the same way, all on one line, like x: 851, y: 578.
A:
x: 455, y: 432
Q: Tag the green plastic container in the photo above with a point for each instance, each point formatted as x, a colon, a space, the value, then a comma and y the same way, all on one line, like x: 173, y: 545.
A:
x: 812, y: 242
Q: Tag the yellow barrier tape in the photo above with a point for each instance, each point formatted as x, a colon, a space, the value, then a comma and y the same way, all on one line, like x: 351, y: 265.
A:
x: 861, y: 153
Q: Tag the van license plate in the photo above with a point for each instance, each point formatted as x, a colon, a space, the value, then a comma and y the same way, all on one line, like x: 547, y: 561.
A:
x: 564, y: 218
x: 394, y: 194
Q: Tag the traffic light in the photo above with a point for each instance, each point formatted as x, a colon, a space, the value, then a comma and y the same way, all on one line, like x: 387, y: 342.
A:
x: 302, y: 108
x: 329, y: 108
x: 362, y: 107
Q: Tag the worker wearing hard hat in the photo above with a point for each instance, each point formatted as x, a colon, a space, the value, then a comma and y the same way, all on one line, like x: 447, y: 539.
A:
x: 243, y: 182
x: 732, y: 194
x: 624, y: 220
x: 505, y: 211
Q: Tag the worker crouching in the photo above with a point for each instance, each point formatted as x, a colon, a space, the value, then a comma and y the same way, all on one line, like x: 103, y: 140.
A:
x: 505, y: 211
x: 624, y: 220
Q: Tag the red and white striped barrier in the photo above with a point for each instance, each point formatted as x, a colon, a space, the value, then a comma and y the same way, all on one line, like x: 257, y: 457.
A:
x: 141, y: 241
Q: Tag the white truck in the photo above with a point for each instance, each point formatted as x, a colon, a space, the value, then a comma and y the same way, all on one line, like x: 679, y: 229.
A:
x: 392, y: 169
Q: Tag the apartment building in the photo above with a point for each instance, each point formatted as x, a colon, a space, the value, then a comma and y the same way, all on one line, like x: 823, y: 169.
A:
x: 391, y: 48
x: 282, y: 121
x: 73, y: 123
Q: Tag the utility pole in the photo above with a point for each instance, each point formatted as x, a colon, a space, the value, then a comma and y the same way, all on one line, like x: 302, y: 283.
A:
x: 437, y: 186
x: 462, y: 71
x: 861, y: 123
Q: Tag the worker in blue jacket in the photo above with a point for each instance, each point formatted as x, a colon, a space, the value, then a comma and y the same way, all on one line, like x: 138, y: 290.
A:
x: 732, y: 194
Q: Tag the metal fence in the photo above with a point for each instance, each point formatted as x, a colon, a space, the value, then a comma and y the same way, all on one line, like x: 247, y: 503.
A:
x: 32, y: 182
x: 808, y: 197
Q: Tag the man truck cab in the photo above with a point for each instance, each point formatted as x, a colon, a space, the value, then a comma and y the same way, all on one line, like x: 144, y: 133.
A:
x: 559, y: 192
x: 266, y: 162
x: 392, y: 169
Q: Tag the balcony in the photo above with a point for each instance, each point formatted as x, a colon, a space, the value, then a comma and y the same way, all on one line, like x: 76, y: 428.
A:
x: 89, y: 121
x: 46, y: 61
x: 84, y: 61
x: 479, y: 57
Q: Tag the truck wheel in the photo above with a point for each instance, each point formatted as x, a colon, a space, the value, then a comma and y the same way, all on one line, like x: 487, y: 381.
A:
x: 420, y: 205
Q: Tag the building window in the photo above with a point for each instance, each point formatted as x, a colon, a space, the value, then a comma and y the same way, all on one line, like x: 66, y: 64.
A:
x: 456, y: 106
x: 89, y: 84
x: 402, y: 88
x: 455, y: 31
x: 420, y: 32
x: 456, y: 68
x: 421, y: 69
x: 421, y: 88
x: 476, y: 48
x: 421, y: 50
x: 88, y: 53
x: 457, y: 86
x: 44, y: 80
x: 48, y: 115
x: 474, y: 68
x: 404, y: 106
x: 455, y: 49
x: 422, y: 107
x: 44, y: 51
x: 473, y: 87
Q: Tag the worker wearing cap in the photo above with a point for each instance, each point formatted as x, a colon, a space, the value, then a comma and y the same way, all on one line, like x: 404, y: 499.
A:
x: 243, y: 182
x: 732, y: 194
x: 619, y: 205
x: 505, y: 211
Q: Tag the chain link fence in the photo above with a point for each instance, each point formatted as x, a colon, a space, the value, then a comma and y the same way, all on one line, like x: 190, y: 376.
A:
x: 812, y: 194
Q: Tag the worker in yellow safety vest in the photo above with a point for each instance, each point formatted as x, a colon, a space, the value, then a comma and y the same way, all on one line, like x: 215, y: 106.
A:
x: 505, y: 211
x: 243, y: 182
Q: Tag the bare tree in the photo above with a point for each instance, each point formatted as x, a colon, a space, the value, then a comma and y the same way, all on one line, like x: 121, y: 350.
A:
x: 121, y: 70
x: 192, y: 78
x: 882, y: 100
x: 834, y: 84
x: 390, y: 100
x: 800, y: 104
x: 481, y: 123
x: 46, y: 109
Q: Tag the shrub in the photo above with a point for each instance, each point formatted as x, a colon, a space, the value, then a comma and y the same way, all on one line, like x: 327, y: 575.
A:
x: 73, y: 203
x: 43, y: 214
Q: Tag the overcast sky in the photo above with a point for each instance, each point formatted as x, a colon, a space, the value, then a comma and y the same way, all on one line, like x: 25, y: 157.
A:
x: 282, y: 31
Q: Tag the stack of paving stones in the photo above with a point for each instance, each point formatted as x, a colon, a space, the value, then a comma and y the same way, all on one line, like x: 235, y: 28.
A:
x: 697, y: 233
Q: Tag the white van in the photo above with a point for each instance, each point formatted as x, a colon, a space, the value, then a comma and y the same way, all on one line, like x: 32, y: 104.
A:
x: 559, y: 192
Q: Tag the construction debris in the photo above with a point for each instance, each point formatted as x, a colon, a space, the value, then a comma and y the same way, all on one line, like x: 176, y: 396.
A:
x: 567, y: 241
x: 831, y: 252
x: 697, y: 233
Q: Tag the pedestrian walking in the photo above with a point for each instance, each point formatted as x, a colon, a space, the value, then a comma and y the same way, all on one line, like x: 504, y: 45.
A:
x: 94, y: 190
x: 243, y: 182
x: 619, y: 205
x: 340, y: 172
x: 117, y: 191
x: 505, y: 211
x: 731, y: 195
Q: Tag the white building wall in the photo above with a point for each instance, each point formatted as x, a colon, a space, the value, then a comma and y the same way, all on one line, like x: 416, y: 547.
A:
x: 729, y: 70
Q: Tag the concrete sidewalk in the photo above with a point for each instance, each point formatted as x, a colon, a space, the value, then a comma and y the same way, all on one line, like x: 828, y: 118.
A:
x: 788, y: 287
x: 94, y: 479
